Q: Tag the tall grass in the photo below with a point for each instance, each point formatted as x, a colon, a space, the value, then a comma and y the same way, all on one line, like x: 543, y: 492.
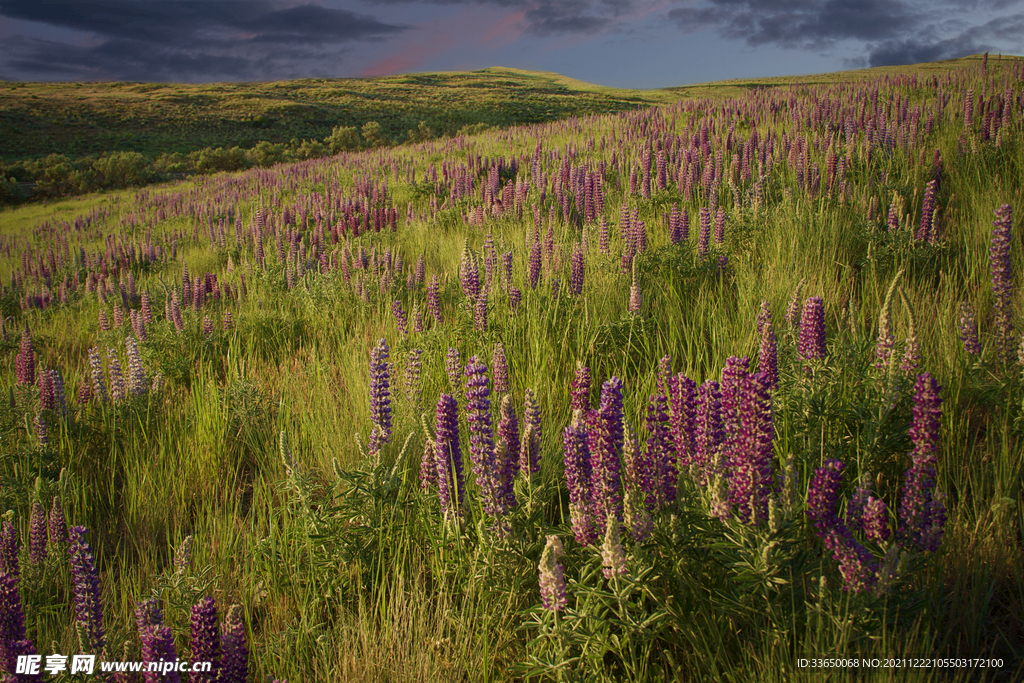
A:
x: 345, y: 567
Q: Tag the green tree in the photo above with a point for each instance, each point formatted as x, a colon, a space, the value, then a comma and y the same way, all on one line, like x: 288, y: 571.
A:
x: 342, y: 139
x: 122, y: 169
x: 266, y: 153
x: 373, y: 134
x: 210, y: 160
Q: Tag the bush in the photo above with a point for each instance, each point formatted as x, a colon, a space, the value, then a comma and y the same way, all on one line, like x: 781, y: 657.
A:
x: 213, y: 160
x: 122, y: 169
x: 342, y: 139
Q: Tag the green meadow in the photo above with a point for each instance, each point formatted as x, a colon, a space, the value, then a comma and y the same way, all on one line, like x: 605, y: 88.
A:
x: 239, y: 455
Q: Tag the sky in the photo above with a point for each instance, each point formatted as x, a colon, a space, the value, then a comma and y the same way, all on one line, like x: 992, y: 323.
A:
x: 618, y: 43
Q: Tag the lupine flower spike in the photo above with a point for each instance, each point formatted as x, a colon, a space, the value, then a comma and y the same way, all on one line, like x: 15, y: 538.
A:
x: 451, y: 488
x: 205, y: 640
x: 922, y: 512
x: 552, y: 575
x: 234, y: 667
x: 1002, y: 281
x: 812, y: 329
x: 86, y: 587
x: 380, y: 398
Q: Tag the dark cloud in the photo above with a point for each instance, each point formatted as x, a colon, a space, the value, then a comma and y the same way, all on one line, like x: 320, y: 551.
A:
x: 890, y: 31
x: 974, y: 40
x: 547, y: 17
x: 185, y: 39
x: 798, y: 23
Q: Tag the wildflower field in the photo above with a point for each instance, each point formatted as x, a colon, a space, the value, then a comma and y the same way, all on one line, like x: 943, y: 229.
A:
x: 707, y: 391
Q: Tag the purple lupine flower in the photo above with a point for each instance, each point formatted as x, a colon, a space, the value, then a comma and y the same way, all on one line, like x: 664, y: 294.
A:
x: 792, y: 316
x: 720, y: 226
x: 768, y: 358
x: 453, y: 366
x: 812, y: 329
x: 176, y: 318
x: 507, y: 450
x: 855, y: 505
x: 234, y: 663
x: 12, y: 622
x: 226, y: 321
x: 682, y: 398
x: 207, y: 326
x: 733, y: 374
x: 434, y: 300
x: 606, y: 457
x: 85, y: 582
x: 499, y: 365
x: 708, y: 435
x: 400, y: 319
x: 147, y: 308
x: 922, y: 513
x: 118, y: 390
x: 9, y: 561
x: 823, y: 496
x: 969, y: 329
x: 705, y: 231
x: 515, y: 295
x: 37, y: 534
x: 857, y: 566
x: 552, y: 575
x: 451, y: 488
x: 118, y: 317
x: 926, y: 231
x: 578, y: 263
x: 99, y: 387
x: 1001, y: 267
x: 764, y: 316
x: 579, y: 391
x: 639, y: 471
x: 602, y: 236
x: 57, y: 527
x: 535, y: 264
x: 480, y: 313
x: 158, y: 646
x: 875, y: 520
x: 137, y: 383
x: 675, y: 225
x: 749, y: 424
x: 46, y: 398
x: 25, y: 362
x: 661, y: 453
x: 147, y: 614
x: 205, y: 640
x: 469, y: 274
x: 578, y: 481
x: 60, y: 400
x: 421, y: 270
x: 380, y: 397
x: 529, y: 447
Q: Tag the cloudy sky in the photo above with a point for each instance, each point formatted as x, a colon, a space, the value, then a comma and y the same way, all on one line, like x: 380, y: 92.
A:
x: 623, y: 43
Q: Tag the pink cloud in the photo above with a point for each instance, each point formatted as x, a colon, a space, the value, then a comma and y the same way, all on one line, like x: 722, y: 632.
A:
x: 505, y: 31
x: 471, y: 27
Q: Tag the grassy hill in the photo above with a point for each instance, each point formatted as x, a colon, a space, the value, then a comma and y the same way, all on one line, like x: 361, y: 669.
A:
x: 691, y: 392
